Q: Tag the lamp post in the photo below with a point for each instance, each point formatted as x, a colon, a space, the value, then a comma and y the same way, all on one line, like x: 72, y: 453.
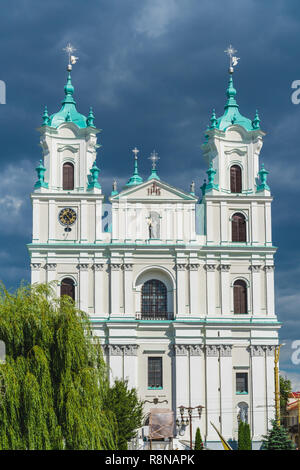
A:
x: 277, y: 387
x: 188, y: 419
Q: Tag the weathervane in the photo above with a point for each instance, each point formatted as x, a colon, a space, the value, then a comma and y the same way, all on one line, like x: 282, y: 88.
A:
x: 154, y: 158
x: 69, y: 49
x: 233, y: 60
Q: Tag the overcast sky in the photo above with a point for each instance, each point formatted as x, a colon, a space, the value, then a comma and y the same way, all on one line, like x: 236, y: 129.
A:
x: 153, y: 70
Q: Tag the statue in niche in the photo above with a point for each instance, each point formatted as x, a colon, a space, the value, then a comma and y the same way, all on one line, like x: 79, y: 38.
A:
x: 154, y: 225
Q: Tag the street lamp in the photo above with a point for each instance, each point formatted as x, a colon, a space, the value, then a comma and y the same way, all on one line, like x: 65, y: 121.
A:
x: 188, y: 419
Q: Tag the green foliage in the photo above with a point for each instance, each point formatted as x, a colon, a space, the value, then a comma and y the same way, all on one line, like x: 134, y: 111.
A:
x: 198, y: 440
x: 277, y: 439
x: 285, y: 390
x: 54, y: 379
x: 244, y: 437
x: 127, y: 408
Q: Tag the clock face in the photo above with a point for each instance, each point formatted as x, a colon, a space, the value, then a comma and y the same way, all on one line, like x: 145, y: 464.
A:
x: 67, y: 216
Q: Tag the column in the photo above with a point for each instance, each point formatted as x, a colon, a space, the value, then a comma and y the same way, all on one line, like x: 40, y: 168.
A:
x: 254, y: 224
x: 258, y: 391
x: 35, y: 221
x: 224, y: 223
x: 181, y: 289
x: 197, y: 385
x: 52, y: 220
x: 115, y: 269
x: 179, y: 223
x: 182, y: 375
x: 226, y: 398
x: 98, y: 289
x: 83, y: 222
x: 194, y: 288
x: 35, y: 272
x: 225, y: 289
x: 98, y: 221
x: 116, y: 362
x: 128, y: 290
x: 210, y: 289
x: 51, y: 272
x: 168, y: 223
x: 212, y: 382
x: 268, y: 224
x: 115, y: 223
x: 256, y: 289
x: 83, y: 286
x: 269, y: 270
x: 209, y: 224
x: 131, y: 364
x: 270, y: 385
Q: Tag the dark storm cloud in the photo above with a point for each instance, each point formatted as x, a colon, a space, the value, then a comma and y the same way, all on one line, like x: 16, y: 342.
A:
x: 153, y: 71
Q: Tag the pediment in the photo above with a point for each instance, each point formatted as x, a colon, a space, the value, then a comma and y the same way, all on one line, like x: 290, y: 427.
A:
x: 154, y: 191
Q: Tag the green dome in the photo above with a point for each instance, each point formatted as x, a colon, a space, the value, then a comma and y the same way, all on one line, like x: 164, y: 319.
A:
x: 68, y: 111
x: 232, y: 114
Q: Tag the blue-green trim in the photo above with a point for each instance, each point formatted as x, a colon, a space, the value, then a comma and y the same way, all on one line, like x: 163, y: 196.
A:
x: 155, y: 388
x: 242, y: 393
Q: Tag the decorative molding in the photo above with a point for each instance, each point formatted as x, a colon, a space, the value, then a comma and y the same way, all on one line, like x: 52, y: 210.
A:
x: 210, y: 267
x: 181, y: 266
x: 269, y: 268
x: 256, y: 350
x: 50, y: 266
x: 68, y: 147
x: 225, y: 268
x: 270, y: 350
x: 115, y: 266
x: 83, y: 267
x: 127, y: 267
x: 98, y: 266
x: 240, y: 151
x: 214, y: 350
x: 193, y: 266
x: 122, y: 349
x: 184, y: 349
x: 35, y: 266
x: 255, y: 268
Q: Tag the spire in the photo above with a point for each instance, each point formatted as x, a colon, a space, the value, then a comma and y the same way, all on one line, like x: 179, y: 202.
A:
x: 135, y: 178
x: 90, y: 118
x: 154, y: 158
x: 211, y: 173
x: 256, y: 121
x: 213, y: 120
x: 231, y: 94
x: 68, y: 111
x: 46, y: 118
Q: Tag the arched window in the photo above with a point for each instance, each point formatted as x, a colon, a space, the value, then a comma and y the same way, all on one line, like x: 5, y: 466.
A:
x: 68, y: 176
x: 240, y: 297
x: 67, y: 287
x: 235, y: 179
x: 238, y: 225
x: 154, y: 300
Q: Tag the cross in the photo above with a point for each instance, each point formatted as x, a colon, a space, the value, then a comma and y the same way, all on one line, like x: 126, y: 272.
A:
x: 135, y: 151
x: 154, y: 158
x: 69, y: 49
x: 230, y: 51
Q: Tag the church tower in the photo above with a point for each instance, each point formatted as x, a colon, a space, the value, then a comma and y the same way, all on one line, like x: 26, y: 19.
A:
x: 180, y: 290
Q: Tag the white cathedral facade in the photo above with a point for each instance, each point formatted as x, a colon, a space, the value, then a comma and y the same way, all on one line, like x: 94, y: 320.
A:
x: 180, y: 289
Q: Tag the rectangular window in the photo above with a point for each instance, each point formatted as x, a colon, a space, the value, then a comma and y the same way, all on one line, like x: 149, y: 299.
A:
x: 155, y: 372
x: 242, y: 382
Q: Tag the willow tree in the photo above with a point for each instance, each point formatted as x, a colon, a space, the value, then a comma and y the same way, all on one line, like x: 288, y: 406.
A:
x: 54, y: 378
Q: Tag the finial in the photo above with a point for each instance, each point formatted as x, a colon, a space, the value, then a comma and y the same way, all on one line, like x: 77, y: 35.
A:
x: 90, y: 118
x: 154, y: 158
x: 211, y: 173
x: 69, y: 49
x: 256, y: 121
x: 41, y: 176
x: 263, y: 174
x: 46, y: 118
x: 136, y: 178
x: 213, y: 120
x: 94, y: 175
x: 233, y: 60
